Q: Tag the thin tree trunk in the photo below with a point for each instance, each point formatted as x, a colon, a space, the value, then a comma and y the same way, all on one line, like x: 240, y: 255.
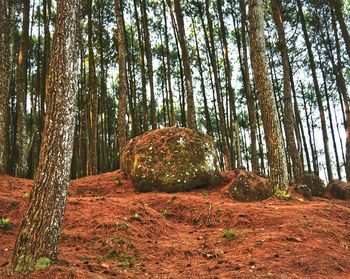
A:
x: 191, y: 113
x: 317, y: 91
x: 212, y: 55
x: 247, y: 90
x: 168, y: 70
x: 149, y: 62
x: 122, y: 76
x: 289, y: 118
x: 92, y: 105
x: 230, y: 91
x: 336, y: 5
x: 40, y: 230
x: 22, y: 141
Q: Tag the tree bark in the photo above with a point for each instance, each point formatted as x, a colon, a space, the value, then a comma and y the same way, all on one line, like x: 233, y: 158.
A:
x: 40, y: 229
x: 336, y: 5
x: 92, y: 103
x: 273, y: 135
x: 230, y: 91
x: 148, y: 50
x: 122, y: 76
x: 191, y: 113
x: 317, y: 91
x: 22, y: 137
x: 5, y: 78
x: 289, y: 119
x: 248, y: 92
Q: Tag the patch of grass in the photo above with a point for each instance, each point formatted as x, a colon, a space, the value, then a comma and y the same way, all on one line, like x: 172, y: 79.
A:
x: 122, y: 226
x: 165, y: 213
x: 83, y: 258
x: 205, y: 194
x: 230, y: 234
x: 13, y: 204
x: 5, y: 224
x: 136, y: 217
x: 282, y: 194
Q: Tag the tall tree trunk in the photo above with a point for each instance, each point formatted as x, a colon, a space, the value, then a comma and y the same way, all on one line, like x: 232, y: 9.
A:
x: 309, y: 129
x: 168, y: 70
x: 143, y: 72
x: 5, y: 78
x: 191, y: 113
x: 336, y: 5
x: 273, y: 135
x: 122, y: 76
x: 40, y: 229
x: 206, y: 108
x: 230, y: 91
x: 317, y: 91
x: 247, y: 90
x: 92, y: 103
x: 212, y: 55
x: 22, y: 140
x: 343, y: 93
x: 289, y: 119
x: 148, y: 50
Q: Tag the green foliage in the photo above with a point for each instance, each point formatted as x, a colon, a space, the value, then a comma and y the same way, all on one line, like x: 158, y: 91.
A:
x: 13, y: 204
x: 122, y: 226
x: 165, y: 212
x: 136, y: 217
x: 282, y: 194
x: 42, y: 263
x: 205, y: 193
x: 230, y: 234
x: 5, y: 224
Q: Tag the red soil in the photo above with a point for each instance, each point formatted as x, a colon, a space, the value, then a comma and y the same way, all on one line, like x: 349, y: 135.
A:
x: 182, y: 235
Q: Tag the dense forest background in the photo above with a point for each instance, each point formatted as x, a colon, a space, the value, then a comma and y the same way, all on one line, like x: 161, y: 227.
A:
x: 160, y: 78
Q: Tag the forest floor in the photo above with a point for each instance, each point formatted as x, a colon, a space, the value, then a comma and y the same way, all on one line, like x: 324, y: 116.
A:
x: 112, y: 231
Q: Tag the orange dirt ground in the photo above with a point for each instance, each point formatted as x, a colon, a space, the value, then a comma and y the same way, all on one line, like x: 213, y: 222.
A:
x: 112, y: 231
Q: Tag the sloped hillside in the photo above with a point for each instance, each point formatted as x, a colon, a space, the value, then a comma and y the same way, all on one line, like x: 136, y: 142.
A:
x: 112, y: 231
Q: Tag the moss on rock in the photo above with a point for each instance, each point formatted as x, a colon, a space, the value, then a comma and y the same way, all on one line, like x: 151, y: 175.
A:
x: 314, y: 183
x: 338, y: 189
x: 248, y: 186
x: 170, y: 160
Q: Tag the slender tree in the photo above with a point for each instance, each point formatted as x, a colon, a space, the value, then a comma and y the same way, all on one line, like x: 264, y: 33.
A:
x: 122, y: 75
x: 191, y: 115
x: 273, y: 135
x: 289, y: 119
x: 22, y: 141
x: 40, y: 229
x: 337, y: 6
x: 312, y: 64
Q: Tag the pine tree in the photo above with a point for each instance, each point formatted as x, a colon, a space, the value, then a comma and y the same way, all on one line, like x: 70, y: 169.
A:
x: 40, y: 230
x: 273, y: 135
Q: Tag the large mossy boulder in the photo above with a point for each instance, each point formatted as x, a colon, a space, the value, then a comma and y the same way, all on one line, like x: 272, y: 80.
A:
x: 338, y: 189
x: 248, y: 186
x: 170, y: 160
x: 314, y: 183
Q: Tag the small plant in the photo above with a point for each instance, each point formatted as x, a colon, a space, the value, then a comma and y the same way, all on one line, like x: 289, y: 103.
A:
x: 230, y: 234
x: 42, y: 263
x: 122, y: 226
x: 165, y: 213
x: 136, y: 217
x: 205, y: 194
x: 174, y: 198
x: 13, y: 204
x: 5, y: 224
x: 282, y: 194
